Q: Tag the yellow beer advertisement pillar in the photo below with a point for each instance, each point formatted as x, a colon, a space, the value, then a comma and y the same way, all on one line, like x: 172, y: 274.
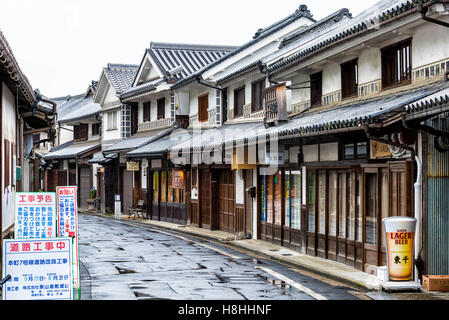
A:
x: 400, y: 236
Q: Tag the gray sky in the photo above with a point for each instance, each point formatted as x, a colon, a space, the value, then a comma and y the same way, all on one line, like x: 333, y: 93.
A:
x: 61, y: 45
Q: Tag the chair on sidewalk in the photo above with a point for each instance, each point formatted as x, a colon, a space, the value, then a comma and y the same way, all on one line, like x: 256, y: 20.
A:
x: 138, y: 211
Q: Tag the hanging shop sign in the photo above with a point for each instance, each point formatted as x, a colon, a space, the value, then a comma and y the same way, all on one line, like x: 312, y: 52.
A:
x: 67, y: 213
x: 400, y: 236
x: 380, y: 150
x: 132, y: 166
x: 35, y: 215
x: 178, y: 181
x: 40, y: 269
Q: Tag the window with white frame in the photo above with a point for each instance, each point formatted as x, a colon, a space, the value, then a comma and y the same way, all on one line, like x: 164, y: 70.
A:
x: 126, y: 121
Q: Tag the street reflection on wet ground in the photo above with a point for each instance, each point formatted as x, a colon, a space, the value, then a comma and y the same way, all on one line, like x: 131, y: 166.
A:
x: 121, y: 261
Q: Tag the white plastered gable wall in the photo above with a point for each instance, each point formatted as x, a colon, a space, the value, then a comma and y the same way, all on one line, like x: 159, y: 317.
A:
x: 106, y: 95
x: 148, y: 71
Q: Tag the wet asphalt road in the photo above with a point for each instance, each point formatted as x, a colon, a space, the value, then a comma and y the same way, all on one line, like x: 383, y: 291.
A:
x: 123, y: 261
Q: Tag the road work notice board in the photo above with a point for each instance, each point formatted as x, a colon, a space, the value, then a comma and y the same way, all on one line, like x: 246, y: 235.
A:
x: 41, y: 269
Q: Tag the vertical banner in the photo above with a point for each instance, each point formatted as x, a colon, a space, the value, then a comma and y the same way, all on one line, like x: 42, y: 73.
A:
x: 68, y: 223
x: 40, y: 269
x: 35, y: 215
x: 400, y: 236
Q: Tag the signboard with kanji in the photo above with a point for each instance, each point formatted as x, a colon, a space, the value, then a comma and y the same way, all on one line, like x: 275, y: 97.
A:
x: 68, y: 223
x: 35, y: 215
x: 40, y: 269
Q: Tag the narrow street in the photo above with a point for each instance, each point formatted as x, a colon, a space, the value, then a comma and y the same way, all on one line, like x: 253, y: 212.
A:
x: 122, y: 261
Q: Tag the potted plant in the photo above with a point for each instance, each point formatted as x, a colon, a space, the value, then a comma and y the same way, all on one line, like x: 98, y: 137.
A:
x: 92, y: 198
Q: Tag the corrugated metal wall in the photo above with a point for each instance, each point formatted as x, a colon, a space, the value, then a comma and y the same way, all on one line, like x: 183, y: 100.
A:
x: 438, y: 202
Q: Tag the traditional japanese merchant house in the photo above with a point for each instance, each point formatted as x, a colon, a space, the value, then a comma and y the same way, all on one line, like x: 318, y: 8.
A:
x: 349, y: 158
x: 226, y: 103
x: 156, y: 111
x: 117, y: 126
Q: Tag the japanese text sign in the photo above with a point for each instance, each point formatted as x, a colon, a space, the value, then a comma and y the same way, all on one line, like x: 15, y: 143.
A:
x: 35, y: 215
x: 68, y: 222
x: 40, y: 269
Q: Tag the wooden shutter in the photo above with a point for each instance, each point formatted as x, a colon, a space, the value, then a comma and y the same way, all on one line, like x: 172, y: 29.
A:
x: 316, y: 89
x: 134, y: 118
x: 349, y: 83
x: 147, y: 112
x: 257, y: 89
x: 203, y: 105
x: 396, y: 64
x: 81, y: 132
x: 239, y: 102
x: 161, y: 109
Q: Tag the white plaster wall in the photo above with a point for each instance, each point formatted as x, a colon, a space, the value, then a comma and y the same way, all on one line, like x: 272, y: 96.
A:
x: 302, y: 95
x: 331, y: 78
x: 153, y: 113
x: 425, y: 48
x: 111, y: 95
x: 9, y: 133
x: 239, y: 187
x: 246, y: 81
x: 310, y: 153
x: 370, y: 65
x: 197, y: 92
x: 111, y: 134
x: 65, y: 135
x: 329, y: 152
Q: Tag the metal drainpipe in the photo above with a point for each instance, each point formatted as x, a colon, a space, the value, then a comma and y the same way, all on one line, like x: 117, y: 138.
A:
x: 199, y: 79
x: 417, y: 202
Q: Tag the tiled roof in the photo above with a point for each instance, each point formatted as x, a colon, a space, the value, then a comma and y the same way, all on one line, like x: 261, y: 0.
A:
x: 226, y: 134
x: 8, y: 63
x: 301, y: 12
x: 121, y: 76
x: 432, y: 104
x: 142, y: 88
x: 71, y: 151
x: 177, y: 61
x: 381, y: 13
x: 134, y: 142
x: 190, y: 58
x: 77, y: 108
x: 354, y: 114
x: 162, y: 145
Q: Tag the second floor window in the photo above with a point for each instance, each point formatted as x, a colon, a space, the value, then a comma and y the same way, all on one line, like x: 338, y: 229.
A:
x: 95, y: 129
x: 257, y: 95
x: 239, y: 102
x: 203, y: 105
x: 147, y: 112
x: 397, y: 64
x: 161, y: 109
x: 112, y: 120
x: 81, y: 132
x: 349, y: 79
x: 316, y: 89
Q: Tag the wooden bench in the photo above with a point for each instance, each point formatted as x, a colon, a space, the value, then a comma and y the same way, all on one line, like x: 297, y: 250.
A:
x: 137, y: 211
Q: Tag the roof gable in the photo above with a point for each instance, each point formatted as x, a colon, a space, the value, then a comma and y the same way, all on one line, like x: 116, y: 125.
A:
x: 116, y: 78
